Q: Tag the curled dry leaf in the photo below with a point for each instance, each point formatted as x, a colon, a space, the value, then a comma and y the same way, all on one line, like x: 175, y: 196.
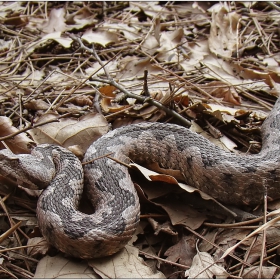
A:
x: 69, y: 131
x: 108, y: 96
x: 20, y: 143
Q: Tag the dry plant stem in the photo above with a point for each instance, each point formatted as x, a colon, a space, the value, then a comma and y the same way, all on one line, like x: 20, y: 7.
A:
x: 31, y: 94
x: 273, y: 248
x: 268, y: 258
x: 163, y: 260
x: 24, y: 273
x: 192, y: 85
x: 247, y: 254
x: 19, y: 247
x: 12, y: 223
x: 108, y: 156
x: 245, y: 223
x: 275, y: 265
x: 11, y: 230
x: 23, y: 255
x: 4, y: 270
x: 145, y: 99
x: 87, y: 162
x: 273, y: 6
x: 216, y: 246
x: 120, y: 162
x: 253, y: 264
x: 111, y: 82
x: 263, y: 35
x: 158, y: 216
x: 264, y: 231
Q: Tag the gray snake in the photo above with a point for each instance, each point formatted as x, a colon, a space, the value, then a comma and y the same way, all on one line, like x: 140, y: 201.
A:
x: 230, y: 178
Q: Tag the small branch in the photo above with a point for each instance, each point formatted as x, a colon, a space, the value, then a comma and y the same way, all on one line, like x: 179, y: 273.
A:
x: 128, y: 94
x: 145, y: 87
x: 145, y: 99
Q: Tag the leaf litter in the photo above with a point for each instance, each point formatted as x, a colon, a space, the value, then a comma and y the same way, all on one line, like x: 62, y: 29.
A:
x: 213, y: 67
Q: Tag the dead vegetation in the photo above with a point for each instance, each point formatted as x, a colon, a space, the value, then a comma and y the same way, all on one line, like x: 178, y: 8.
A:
x: 68, y: 70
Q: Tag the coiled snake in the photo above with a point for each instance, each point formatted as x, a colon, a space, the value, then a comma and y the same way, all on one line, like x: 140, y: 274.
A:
x: 229, y: 178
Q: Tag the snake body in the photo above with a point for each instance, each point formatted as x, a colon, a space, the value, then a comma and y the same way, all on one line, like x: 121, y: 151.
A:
x: 230, y: 178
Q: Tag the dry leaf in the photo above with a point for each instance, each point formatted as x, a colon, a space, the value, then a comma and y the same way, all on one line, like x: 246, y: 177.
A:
x: 124, y: 264
x: 183, y: 251
x: 60, y: 267
x: 222, y: 90
x: 37, y: 251
x: 133, y: 68
x: 223, y: 33
x: 100, y: 37
x: 56, y: 21
x: 253, y: 272
x: 19, y: 144
x: 69, y: 131
x: 169, y: 41
x: 131, y: 33
x: 180, y: 213
x: 203, y: 266
x: 47, y: 39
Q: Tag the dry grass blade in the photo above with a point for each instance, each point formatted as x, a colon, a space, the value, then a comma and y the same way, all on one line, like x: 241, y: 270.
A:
x: 9, y: 232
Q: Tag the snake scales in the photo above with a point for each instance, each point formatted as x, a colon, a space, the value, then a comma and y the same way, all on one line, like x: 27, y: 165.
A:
x: 230, y: 178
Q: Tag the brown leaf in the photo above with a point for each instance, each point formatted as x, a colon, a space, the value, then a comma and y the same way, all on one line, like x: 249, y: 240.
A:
x: 224, y: 32
x: 124, y: 264
x: 37, y: 251
x: 222, y: 90
x: 180, y: 213
x: 183, y: 251
x: 108, y: 91
x: 202, y: 268
x: 253, y: 272
x: 165, y: 227
x: 60, y: 267
x: 69, y: 131
x: 20, y: 143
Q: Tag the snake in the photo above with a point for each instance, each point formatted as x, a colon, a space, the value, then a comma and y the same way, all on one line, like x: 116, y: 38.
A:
x: 228, y: 177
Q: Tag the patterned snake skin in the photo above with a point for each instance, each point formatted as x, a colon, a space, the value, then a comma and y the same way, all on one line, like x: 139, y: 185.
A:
x: 230, y: 178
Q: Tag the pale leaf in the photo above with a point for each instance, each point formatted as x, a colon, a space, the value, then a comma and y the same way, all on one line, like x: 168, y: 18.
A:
x: 60, y: 267
x: 124, y: 264
x: 69, y: 131
x: 203, y: 266
x: 100, y: 37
